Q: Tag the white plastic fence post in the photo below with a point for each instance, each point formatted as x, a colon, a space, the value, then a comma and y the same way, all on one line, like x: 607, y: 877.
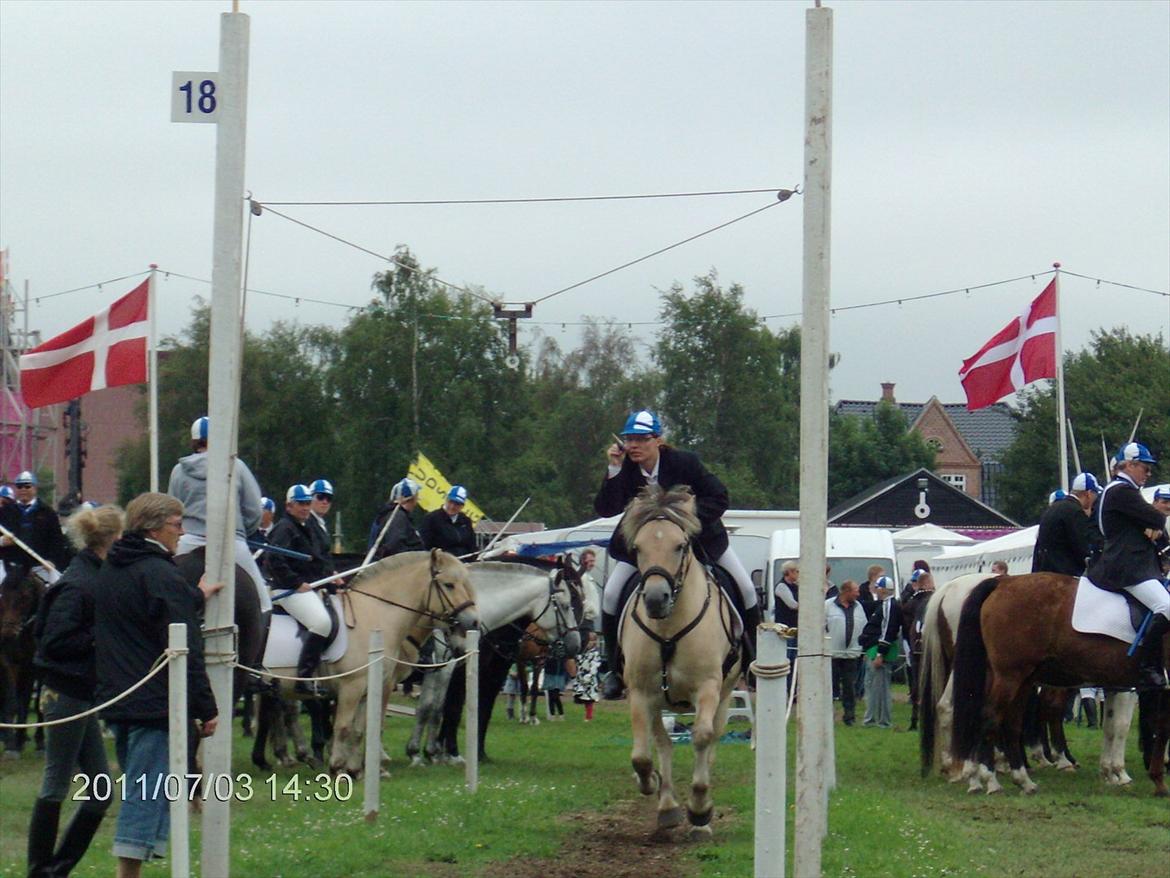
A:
x: 177, y: 752
x: 374, y: 711
x: 471, y: 760
x: 770, y: 735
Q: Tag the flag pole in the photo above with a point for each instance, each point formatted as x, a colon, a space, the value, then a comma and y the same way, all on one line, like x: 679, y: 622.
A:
x: 152, y: 376
x: 1061, y: 422
x: 1072, y: 435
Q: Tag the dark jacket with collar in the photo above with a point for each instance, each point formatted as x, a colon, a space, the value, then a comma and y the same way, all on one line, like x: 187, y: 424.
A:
x: 675, y: 467
x: 438, y: 531
x: 137, y: 594
x: 287, y: 572
x: 400, y: 536
x: 1065, y: 539
x: 40, y: 529
x: 64, y: 630
x: 1129, y: 556
x: 883, y: 628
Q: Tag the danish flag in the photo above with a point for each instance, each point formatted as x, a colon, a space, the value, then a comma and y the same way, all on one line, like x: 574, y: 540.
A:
x: 1022, y: 352
x: 106, y: 350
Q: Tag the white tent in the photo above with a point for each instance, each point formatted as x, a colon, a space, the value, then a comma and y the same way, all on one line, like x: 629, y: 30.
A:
x: 926, y: 542
x: 1014, y: 548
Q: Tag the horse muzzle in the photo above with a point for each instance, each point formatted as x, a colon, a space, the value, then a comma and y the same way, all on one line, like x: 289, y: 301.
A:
x: 466, y: 619
x: 657, y: 593
x: 572, y: 643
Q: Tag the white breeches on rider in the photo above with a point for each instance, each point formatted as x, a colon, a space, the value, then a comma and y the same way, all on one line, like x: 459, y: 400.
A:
x: 307, y: 608
x: 1153, y: 594
x: 622, y: 571
x: 190, y: 542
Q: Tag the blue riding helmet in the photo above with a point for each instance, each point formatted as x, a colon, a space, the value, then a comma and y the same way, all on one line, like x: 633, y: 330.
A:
x: 322, y: 486
x: 1058, y: 494
x: 88, y: 504
x: 884, y: 582
x: 199, y: 428
x: 298, y: 494
x: 1162, y: 492
x: 25, y: 478
x: 404, y: 490
x: 268, y: 503
x: 457, y: 494
x: 1086, y: 482
x: 1135, y: 451
x: 6, y: 491
x: 643, y: 423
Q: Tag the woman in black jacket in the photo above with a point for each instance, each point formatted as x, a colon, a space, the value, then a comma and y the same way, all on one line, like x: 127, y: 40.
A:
x: 65, y: 660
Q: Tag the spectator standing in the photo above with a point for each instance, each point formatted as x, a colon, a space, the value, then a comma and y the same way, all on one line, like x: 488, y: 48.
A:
x: 138, y: 593
x: 448, y: 527
x: 880, y: 640
x: 865, y: 592
x: 844, y: 622
x: 999, y: 568
x: 786, y: 608
x: 65, y: 658
x: 556, y: 680
x: 587, y: 683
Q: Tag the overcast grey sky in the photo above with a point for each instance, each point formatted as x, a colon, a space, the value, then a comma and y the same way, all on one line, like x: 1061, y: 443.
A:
x: 972, y: 142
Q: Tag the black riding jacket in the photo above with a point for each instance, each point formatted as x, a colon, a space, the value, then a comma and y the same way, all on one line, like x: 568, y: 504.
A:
x: 38, y: 527
x: 1129, y: 556
x: 1065, y: 540
x: 287, y: 572
x: 438, y: 531
x: 64, y: 630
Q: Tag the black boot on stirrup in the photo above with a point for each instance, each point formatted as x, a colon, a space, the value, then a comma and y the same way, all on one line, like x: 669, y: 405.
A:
x: 751, y: 621
x: 614, y: 686
x: 307, y: 666
x: 1151, y: 674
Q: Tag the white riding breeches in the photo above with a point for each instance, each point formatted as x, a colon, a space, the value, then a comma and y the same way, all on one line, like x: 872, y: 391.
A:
x: 622, y: 571
x: 190, y: 542
x: 1153, y: 594
x: 307, y: 608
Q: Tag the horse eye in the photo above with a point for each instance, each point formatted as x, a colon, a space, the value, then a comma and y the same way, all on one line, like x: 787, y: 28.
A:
x: 449, y: 585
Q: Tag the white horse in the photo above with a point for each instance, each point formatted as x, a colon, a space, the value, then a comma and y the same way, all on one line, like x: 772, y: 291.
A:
x: 504, y: 592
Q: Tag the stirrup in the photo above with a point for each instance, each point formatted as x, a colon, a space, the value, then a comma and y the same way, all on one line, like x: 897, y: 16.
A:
x: 614, y: 687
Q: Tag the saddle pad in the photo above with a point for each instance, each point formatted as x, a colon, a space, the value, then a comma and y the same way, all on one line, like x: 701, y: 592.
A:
x: 1096, y: 611
x: 627, y: 608
x: 285, y: 640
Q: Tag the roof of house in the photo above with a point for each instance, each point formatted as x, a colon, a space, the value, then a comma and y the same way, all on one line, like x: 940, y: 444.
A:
x: 989, y: 431
x: 891, y: 503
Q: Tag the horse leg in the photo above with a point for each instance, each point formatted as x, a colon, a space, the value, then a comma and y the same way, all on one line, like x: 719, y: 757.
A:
x: 347, y: 736
x: 1117, y: 716
x: 670, y: 813
x: 641, y: 715
x: 264, y: 718
x: 949, y: 767
x: 1064, y: 757
x: 1007, y: 700
x: 284, y: 725
x: 1155, y: 732
x: 708, y: 711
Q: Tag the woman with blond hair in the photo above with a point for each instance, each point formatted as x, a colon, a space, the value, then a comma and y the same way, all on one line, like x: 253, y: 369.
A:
x: 65, y: 659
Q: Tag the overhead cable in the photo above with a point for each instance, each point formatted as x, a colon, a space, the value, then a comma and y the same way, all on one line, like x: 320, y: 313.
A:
x: 539, y: 200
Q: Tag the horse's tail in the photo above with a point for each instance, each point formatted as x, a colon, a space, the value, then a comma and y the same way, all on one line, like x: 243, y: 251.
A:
x: 931, y: 681
x: 970, y: 673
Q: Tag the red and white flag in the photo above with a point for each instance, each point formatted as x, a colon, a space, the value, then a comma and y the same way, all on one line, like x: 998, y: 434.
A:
x: 106, y: 350
x: 1022, y: 352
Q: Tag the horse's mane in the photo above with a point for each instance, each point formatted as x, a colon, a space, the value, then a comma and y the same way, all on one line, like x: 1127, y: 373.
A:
x: 527, y: 561
x: 390, y: 564
x: 514, y: 567
x: 652, y: 502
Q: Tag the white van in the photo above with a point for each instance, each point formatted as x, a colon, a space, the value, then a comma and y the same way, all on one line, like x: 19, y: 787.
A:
x: 850, y: 551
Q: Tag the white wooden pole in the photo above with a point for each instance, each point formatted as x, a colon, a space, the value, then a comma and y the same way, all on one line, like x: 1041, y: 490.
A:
x: 224, y: 379
x: 771, y: 741
x: 374, y: 712
x: 177, y: 752
x: 471, y: 759
x: 152, y: 374
x: 814, y: 447
x: 1061, y: 416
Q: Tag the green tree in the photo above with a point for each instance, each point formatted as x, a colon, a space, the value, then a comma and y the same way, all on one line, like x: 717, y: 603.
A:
x: 864, y: 451
x: 1106, y: 385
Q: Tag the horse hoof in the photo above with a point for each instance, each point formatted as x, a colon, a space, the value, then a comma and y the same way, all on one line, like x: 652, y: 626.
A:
x: 262, y: 764
x: 699, y: 820
x: 699, y: 833
x: 1162, y: 793
x: 383, y: 774
x: 670, y: 818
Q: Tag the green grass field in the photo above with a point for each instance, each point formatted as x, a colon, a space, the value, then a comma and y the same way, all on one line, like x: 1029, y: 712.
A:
x: 544, y: 783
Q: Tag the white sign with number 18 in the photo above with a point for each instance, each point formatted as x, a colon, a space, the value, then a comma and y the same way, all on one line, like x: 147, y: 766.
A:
x: 194, y: 97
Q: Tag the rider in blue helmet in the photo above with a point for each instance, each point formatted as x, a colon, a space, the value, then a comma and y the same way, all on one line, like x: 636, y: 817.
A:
x: 642, y: 458
x: 322, y: 491
x: 448, y: 527
x: 1129, y: 562
x: 1067, y: 537
x: 400, y: 534
x: 35, y: 524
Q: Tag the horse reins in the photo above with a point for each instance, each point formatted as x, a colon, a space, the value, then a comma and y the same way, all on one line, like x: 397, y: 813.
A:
x: 446, y: 620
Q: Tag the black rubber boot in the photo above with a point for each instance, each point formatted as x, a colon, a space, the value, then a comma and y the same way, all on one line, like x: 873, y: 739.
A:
x: 42, y: 837
x: 1089, y: 707
x: 1151, y: 674
x: 751, y: 622
x: 310, y: 658
x: 614, y: 686
x: 75, y: 841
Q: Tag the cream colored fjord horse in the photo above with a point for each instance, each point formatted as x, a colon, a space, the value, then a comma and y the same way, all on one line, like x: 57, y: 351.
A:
x: 679, y: 650
x: 407, y: 596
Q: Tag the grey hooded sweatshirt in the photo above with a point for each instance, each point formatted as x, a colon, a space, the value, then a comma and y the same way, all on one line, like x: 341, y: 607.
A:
x: 189, y: 485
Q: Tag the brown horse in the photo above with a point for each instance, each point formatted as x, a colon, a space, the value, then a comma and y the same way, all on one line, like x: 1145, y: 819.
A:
x: 20, y: 595
x: 1016, y: 632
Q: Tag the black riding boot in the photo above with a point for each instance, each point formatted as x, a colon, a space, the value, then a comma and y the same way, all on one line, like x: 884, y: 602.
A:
x: 1089, y: 707
x: 751, y: 622
x: 310, y: 658
x: 1151, y: 674
x: 614, y: 686
x: 42, y: 837
x: 75, y: 842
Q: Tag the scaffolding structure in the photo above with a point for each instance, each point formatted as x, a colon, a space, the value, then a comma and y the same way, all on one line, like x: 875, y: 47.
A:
x: 28, y: 437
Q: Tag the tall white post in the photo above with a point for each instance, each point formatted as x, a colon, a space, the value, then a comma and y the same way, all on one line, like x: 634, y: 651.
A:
x: 152, y: 374
x: 1061, y: 415
x: 471, y: 759
x: 771, y: 742
x: 375, y: 708
x: 814, y: 696
x: 224, y: 379
x: 177, y: 750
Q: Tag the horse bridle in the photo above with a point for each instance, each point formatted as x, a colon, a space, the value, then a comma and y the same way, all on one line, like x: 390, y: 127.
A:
x: 556, y: 648
x: 446, y: 620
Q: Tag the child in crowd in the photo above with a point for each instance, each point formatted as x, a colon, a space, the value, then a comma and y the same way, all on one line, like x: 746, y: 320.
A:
x: 587, y: 683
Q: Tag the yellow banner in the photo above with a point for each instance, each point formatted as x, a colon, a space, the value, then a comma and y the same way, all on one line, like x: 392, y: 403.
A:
x: 435, y: 488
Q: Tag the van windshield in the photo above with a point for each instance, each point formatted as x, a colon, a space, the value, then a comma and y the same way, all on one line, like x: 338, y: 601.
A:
x: 843, y: 568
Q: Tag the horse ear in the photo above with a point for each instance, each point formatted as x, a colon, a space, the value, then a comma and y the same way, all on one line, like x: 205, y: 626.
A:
x: 436, y: 560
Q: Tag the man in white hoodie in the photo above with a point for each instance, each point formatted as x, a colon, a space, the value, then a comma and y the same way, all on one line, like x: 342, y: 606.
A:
x: 188, y: 484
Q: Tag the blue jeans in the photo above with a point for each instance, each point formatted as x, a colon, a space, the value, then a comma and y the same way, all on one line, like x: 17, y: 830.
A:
x: 144, y: 822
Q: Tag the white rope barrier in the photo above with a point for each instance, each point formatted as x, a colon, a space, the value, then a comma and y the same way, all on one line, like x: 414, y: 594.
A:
x: 161, y: 662
x: 266, y: 673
